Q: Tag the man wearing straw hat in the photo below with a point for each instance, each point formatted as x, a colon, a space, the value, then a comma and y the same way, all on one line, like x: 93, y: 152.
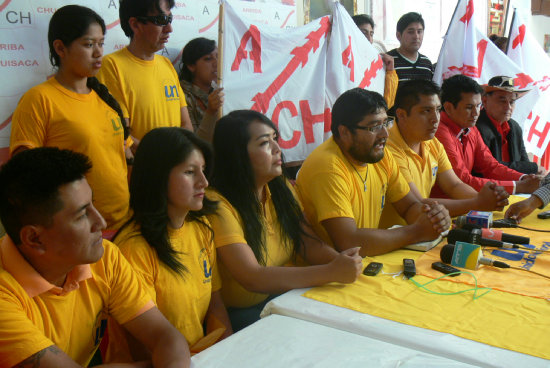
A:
x: 503, y: 135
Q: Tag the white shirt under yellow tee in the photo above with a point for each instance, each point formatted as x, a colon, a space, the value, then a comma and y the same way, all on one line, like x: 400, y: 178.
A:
x: 329, y: 187
x: 49, y: 115
x: 36, y: 314
x: 421, y: 169
x: 228, y: 229
x: 182, y: 298
x: 148, y: 91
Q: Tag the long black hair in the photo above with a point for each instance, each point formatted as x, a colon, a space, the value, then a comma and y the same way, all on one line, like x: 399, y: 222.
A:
x: 193, y: 51
x: 233, y: 177
x: 69, y: 23
x: 158, y: 153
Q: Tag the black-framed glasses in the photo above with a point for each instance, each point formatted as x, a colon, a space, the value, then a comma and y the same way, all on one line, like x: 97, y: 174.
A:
x: 158, y: 20
x: 388, y: 123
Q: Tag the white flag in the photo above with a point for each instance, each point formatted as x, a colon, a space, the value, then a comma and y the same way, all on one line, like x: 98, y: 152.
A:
x: 281, y: 73
x: 351, y: 59
x: 524, y: 50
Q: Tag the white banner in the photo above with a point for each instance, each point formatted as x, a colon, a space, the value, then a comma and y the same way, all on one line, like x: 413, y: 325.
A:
x: 525, y: 51
x: 24, y: 52
x: 280, y: 73
x: 351, y: 61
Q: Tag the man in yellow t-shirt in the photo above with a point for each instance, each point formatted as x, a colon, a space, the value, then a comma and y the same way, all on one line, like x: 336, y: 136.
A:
x: 345, y: 183
x: 145, y: 84
x: 422, y: 159
x: 58, y: 278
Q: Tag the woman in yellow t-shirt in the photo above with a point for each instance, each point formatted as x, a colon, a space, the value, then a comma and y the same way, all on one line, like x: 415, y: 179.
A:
x: 259, y: 226
x: 74, y: 111
x: 169, y: 241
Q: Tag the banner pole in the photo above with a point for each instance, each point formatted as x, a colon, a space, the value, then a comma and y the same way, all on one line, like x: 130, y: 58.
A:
x: 510, y: 30
x: 220, y: 51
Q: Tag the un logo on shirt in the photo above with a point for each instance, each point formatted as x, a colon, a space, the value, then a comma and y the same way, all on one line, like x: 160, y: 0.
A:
x: 434, y: 171
x: 205, y: 265
x: 171, y: 92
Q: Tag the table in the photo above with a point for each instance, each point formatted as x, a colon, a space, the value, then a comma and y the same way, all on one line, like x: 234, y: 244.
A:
x: 426, y: 340
x: 279, y: 341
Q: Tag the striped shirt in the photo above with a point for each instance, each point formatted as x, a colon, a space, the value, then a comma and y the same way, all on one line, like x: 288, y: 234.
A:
x: 421, y: 69
x: 544, y: 191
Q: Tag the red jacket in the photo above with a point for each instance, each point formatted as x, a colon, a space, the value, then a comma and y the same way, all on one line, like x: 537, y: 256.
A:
x: 472, y: 155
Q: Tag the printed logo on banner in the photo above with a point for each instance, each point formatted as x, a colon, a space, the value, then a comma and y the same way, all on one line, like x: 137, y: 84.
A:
x: 527, y: 258
x: 12, y: 15
x: 112, y: 20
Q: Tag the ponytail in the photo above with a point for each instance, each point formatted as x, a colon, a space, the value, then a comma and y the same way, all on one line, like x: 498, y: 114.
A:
x: 104, y: 94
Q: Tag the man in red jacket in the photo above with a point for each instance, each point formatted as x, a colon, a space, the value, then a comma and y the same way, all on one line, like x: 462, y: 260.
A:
x: 468, y: 154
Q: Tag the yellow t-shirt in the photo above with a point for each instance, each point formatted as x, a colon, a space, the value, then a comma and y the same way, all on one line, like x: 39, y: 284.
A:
x: 148, y: 91
x: 182, y: 299
x: 51, y: 115
x: 33, y: 317
x: 228, y: 229
x: 329, y: 187
x: 420, y: 169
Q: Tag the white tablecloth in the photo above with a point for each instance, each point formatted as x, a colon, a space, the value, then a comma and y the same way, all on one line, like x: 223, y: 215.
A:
x: 455, y: 348
x: 279, y: 341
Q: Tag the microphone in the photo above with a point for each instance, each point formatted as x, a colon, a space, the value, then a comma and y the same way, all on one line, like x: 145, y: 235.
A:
x: 475, y: 236
x: 466, y: 255
x: 497, y: 234
x: 479, y: 218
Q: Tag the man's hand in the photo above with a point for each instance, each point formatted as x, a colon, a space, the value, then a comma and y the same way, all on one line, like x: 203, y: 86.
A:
x: 528, y: 183
x: 347, y: 266
x: 388, y: 61
x: 542, y: 171
x: 521, y: 209
x: 435, y: 216
x: 491, y: 197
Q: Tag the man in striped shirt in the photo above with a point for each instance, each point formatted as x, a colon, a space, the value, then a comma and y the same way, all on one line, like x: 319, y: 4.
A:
x: 408, y: 62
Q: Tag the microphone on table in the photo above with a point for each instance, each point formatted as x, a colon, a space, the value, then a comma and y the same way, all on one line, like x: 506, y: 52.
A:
x: 496, y: 234
x: 483, y: 220
x: 475, y: 236
x: 466, y: 255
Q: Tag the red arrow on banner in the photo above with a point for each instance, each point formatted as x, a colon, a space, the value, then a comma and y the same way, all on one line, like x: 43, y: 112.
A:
x: 371, y: 72
x: 262, y: 100
x: 519, y: 38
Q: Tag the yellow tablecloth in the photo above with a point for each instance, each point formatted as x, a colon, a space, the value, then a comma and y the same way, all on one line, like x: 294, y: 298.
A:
x: 502, y: 319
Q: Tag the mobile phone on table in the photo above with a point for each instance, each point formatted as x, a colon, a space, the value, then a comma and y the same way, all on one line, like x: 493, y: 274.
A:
x: 445, y: 268
x: 372, y: 269
x: 544, y: 215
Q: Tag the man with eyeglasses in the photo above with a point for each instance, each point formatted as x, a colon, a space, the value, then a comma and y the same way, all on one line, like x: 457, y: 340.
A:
x: 502, y: 134
x: 346, y: 182
x: 468, y: 154
x: 422, y: 159
x: 145, y: 84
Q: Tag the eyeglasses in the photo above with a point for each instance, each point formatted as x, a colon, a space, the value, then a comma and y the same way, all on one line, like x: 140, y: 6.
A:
x: 388, y: 123
x: 158, y: 20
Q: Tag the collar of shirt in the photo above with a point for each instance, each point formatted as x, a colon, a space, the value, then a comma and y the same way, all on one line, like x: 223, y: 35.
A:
x: 30, y: 280
x: 502, y: 128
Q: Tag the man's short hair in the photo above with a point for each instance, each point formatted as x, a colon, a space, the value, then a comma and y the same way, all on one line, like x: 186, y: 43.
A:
x: 137, y: 8
x: 408, y: 19
x: 409, y: 92
x: 29, y: 186
x: 361, y: 19
x: 453, y: 88
x: 352, y: 106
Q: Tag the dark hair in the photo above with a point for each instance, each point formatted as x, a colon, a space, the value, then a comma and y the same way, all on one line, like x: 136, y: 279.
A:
x: 69, y: 23
x: 193, y: 51
x: 352, y: 106
x: 407, y: 19
x: 409, y: 92
x: 158, y: 153
x: 29, y: 186
x: 137, y: 8
x: 233, y: 177
x: 361, y: 19
x: 453, y: 88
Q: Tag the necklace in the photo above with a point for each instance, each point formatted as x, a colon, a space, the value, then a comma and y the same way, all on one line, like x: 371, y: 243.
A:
x: 359, y: 175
